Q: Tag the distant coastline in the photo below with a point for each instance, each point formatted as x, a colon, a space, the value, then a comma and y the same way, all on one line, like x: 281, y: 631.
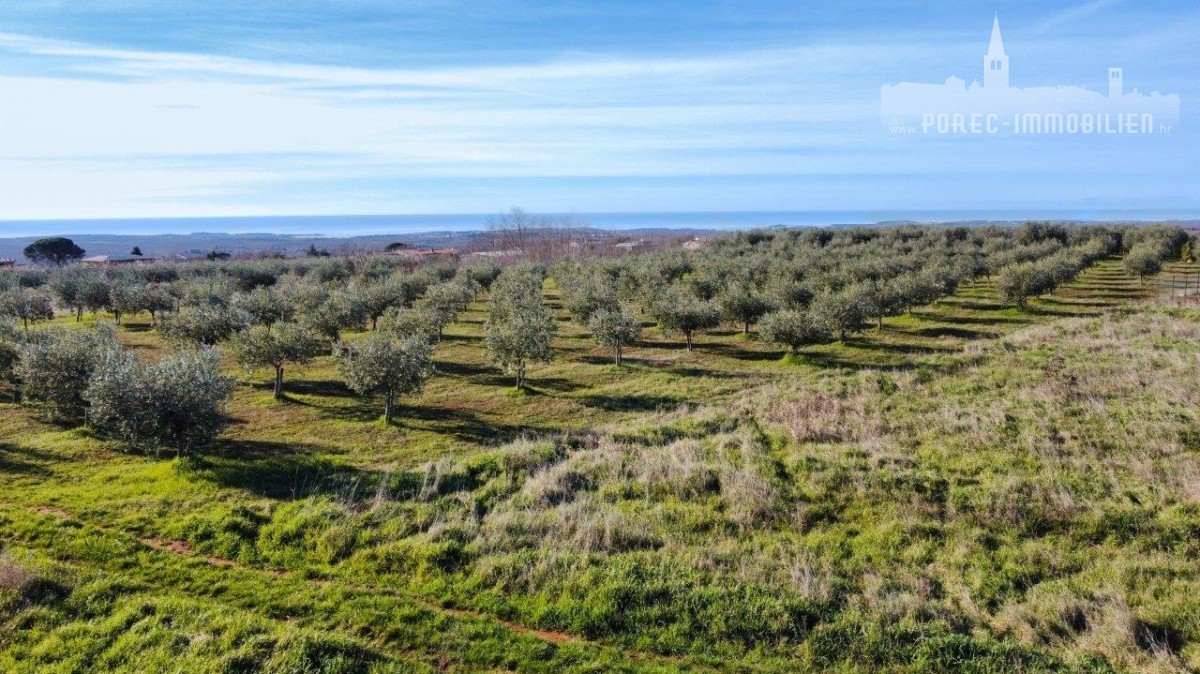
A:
x: 345, y: 226
x: 347, y: 234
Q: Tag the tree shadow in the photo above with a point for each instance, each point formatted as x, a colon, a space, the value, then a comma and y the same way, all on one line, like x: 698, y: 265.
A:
x: 631, y: 403
x: 976, y: 305
x: 953, y: 331
x: 540, y: 385
x: 136, y: 327
x: 23, y: 460
x: 328, y: 388
x: 274, y: 469
x: 462, y: 424
x: 693, y: 371
x: 830, y: 361
x: 971, y: 320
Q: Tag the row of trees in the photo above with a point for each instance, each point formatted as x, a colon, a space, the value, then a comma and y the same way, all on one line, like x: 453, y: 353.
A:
x: 87, y: 376
x: 797, y: 286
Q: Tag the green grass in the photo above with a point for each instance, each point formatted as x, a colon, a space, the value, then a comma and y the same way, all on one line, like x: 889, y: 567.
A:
x: 973, y: 487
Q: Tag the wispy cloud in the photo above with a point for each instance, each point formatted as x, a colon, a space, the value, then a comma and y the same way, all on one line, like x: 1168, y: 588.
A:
x: 123, y: 127
x: 1071, y: 15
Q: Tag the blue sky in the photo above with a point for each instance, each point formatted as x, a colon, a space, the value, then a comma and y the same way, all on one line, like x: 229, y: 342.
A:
x: 159, y: 108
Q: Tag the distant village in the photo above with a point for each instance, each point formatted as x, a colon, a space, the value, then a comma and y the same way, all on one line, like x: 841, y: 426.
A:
x: 495, y: 246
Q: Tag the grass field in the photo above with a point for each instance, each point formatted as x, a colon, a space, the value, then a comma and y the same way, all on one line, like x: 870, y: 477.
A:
x: 972, y: 487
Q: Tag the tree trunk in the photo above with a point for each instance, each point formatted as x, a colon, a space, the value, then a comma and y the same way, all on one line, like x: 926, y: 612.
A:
x: 389, y: 412
x: 617, y: 355
x: 279, y: 382
x: 79, y: 314
x: 746, y: 329
x: 687, y: 336
x: 374, y: 322
x: 520, y: 375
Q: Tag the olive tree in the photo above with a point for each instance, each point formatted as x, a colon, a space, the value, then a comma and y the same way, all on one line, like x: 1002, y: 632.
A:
x: 288, y: 344
x: 584, y: 294
x: 93, y: 293
x: 339, y: 311
x: 384, y: 365
x: 124, y: 297
x: 419, y: 321
x: 686, y: 314
x: 26, y: 305
x: 519, y: 328
x: 55, y: 366
x: 793, y: 329
x: 615, y: 329
x: 266, y: 306
x: 742, y: 305
x: 1018, y: 282
x: 443, y: 302
x: 67, y: 288
x: 177, y: 403
x: 845, y: 312
x: 204, y: 325
x: 155, y: 300
x: 11, y: 340
x: 1143, y: 261
x: 377, y: 297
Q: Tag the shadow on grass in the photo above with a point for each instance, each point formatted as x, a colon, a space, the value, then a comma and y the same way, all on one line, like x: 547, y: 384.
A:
x: 463, y: 425
x: 970, y: 320
x: 328, y: 388
x: 274, y: 469
x: 954, y: 331
x: 136, y: 327
x: 631, y: 403
x: 17, y: 460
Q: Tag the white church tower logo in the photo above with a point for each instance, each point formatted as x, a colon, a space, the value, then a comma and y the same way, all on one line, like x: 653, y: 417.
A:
x: 995, y: 61
x: 994, y: 106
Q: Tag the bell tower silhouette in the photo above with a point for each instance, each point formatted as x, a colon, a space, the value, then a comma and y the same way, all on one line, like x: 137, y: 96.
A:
x: 995, y: 62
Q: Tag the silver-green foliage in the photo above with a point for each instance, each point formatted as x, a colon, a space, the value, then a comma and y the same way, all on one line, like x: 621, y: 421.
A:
x: 686, y: 314
x: 385, y: 365
x: 615, y: 329
x: 520, y: 327
x: 177, y: 403
x: 204, y: 325
x: 287, y: 344
x: 792, y: 328
x: 55, y: 367
x: 11, y: 340
x: 27, y: 305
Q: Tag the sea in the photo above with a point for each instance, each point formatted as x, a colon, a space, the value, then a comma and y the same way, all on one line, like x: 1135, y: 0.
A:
x: 363, y: 225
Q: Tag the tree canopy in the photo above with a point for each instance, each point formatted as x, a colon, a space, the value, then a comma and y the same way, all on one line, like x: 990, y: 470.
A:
x: 55, y: 250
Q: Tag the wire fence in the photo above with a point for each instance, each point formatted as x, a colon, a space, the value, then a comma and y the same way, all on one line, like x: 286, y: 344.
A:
x: 1179, y: 285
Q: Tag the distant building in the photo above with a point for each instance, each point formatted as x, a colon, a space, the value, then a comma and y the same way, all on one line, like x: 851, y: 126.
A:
x: 422, y: 254
x: 696, y: 243
x: 511, y: 252
x: 5, y: 262
x: 101, y: 260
